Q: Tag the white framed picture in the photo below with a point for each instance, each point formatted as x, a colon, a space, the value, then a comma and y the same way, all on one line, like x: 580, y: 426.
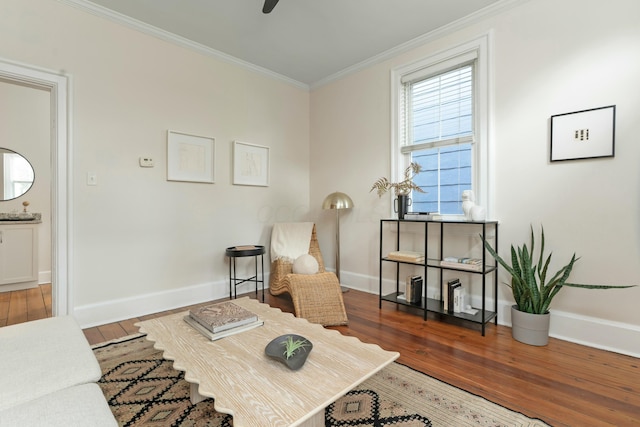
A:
x: 250, y: 164
x: 585, y: 134
x: 190, y: 158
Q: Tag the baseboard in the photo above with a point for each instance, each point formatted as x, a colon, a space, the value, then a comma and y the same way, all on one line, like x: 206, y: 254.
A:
x: 44, y: 277
x: 589, y: 331
x: 598, y: 333
x: 127, y: 308
x: 19, y: 286
x: 593, y: 332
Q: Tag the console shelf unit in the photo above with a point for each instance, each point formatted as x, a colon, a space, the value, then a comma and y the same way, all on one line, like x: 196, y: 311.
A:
x: 483, y: 316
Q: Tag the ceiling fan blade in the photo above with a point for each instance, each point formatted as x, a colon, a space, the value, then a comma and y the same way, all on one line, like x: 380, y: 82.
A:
x: 269, y: 5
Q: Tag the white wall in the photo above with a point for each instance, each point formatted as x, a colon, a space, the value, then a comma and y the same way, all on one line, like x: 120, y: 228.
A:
x: 548, y: 58
x: 139, y: 242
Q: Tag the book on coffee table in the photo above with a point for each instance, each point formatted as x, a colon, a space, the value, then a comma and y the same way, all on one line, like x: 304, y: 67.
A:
x: 222, y: 316
x: 227, y: 332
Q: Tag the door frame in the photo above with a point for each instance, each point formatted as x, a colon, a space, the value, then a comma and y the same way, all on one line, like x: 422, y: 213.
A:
x: 59, y: 86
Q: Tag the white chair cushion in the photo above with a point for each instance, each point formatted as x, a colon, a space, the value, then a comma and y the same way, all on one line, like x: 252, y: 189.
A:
x: 42, y: 356
x: 305, y: 264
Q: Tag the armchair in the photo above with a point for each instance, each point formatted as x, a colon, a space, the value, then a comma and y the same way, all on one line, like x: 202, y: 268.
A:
x: 316, y: 297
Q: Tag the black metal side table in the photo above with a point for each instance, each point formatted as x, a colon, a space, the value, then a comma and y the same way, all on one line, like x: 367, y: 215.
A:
x: 235, y: 252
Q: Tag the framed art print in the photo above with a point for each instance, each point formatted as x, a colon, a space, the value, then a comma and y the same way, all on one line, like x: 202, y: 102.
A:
x: 250, y: 164
x: 190, y: 158
x: 583, y: 134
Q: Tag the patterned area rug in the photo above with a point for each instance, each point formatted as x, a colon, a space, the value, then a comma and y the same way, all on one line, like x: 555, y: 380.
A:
x: 143, y: 389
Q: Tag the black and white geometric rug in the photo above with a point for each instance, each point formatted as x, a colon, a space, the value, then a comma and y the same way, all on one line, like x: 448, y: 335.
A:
x: 143, y: 389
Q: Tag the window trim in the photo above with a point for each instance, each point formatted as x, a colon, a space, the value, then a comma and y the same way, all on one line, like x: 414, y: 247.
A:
x: 435, y: 64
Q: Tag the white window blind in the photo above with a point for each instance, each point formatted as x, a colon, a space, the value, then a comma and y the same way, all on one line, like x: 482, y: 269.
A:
x: 439, y: 110
x: 438, y: 118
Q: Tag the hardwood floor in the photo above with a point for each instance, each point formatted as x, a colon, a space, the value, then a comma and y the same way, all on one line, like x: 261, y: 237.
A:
x: 25, y: 305
x: 563, y: 384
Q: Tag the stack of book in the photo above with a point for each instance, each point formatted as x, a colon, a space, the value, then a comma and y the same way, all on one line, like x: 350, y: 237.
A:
x: 406, y: 256
x: 454, y: 296
x: 413, y: 289
x: 220, y: 320
x: 422, y: 216
x: 473, y: 264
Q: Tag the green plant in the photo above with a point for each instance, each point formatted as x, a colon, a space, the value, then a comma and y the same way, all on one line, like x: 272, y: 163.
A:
x: 292, y: 346
x: 531, y: 289
x: 403, y: 187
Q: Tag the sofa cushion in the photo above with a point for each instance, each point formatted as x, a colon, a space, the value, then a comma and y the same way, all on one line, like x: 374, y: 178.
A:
x: 80, y: 406
x: 42, y: 356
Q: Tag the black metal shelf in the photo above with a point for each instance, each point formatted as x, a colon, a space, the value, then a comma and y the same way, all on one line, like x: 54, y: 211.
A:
x: 434, y: 263
x: 436, y: 306
x: 483, y: 316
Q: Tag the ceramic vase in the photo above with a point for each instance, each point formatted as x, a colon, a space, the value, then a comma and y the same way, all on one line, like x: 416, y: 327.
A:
x: 402, y: 204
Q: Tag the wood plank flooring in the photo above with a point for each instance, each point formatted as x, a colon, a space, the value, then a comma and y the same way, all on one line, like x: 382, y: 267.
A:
x: 25, y: 305
x: 563, y: 384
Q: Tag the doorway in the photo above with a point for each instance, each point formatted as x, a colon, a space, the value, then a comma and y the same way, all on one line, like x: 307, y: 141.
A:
x: 58, y: 86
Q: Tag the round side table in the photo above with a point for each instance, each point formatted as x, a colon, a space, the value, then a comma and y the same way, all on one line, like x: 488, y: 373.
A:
x: 235, y: 252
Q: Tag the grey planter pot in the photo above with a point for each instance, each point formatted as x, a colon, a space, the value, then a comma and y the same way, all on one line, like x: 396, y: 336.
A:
x: 532, y: 329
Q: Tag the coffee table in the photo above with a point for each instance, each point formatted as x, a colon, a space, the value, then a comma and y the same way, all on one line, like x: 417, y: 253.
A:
x: 255, y: 389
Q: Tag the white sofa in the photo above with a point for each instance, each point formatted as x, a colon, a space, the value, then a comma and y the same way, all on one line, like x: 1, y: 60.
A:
x: 48, y: 375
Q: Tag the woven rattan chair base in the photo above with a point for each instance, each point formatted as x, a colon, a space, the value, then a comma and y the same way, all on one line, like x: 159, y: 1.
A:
x: 316, y: 297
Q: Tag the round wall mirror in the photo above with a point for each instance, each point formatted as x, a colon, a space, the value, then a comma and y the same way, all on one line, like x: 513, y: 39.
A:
x: 16, y: 174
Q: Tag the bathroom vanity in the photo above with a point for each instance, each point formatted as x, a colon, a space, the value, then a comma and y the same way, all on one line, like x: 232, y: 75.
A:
x: 19, y: 252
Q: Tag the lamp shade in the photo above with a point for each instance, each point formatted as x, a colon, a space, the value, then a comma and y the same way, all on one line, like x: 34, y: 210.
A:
x: 337, y: 200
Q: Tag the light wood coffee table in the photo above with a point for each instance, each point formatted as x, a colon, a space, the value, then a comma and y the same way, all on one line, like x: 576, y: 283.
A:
x: 255, y: 389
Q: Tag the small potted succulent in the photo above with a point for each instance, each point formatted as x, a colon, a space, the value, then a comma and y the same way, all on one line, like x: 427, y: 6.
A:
x: 402, y: 188
x: 290, y: 349
x: 533, y: 291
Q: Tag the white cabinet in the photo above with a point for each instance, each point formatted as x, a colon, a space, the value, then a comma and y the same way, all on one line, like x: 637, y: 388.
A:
x: 18, y: 255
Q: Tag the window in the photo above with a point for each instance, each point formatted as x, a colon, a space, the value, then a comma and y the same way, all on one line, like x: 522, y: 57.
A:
x: 440, y: 108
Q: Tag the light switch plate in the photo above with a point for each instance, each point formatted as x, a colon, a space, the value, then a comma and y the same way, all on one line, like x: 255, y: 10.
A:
x: 92, y: 178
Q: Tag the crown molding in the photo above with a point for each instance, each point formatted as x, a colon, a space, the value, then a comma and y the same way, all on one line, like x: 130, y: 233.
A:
x: 100, y: 11
x: 167, y: 36
x: 491, y: 10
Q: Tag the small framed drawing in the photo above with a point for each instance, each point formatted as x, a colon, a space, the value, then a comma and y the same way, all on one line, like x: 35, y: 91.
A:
x: 250, y: 164
x: 583, y: 134
x: 190, y: 158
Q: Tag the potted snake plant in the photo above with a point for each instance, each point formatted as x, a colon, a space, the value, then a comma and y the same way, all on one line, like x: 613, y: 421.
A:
x: 534, y: 291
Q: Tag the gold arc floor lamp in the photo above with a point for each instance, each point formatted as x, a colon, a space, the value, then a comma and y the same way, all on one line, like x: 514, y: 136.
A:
x: 338, y: 201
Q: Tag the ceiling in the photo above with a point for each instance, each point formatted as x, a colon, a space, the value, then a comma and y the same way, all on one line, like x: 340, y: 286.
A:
x: 305, y: 41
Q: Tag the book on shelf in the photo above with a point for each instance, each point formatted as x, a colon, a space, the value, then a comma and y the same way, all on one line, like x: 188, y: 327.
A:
x: 413, y: 289
x: 448, y: 294
x: 458, y: 299
x: 225, y: 333
x: 222, y: 316
x: 244, y: 248
x: 473, y: 264
x: 422, y: 216
x: 407, y: 256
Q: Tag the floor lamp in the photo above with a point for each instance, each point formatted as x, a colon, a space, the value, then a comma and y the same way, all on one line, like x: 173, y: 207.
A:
x: 338, y: 201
